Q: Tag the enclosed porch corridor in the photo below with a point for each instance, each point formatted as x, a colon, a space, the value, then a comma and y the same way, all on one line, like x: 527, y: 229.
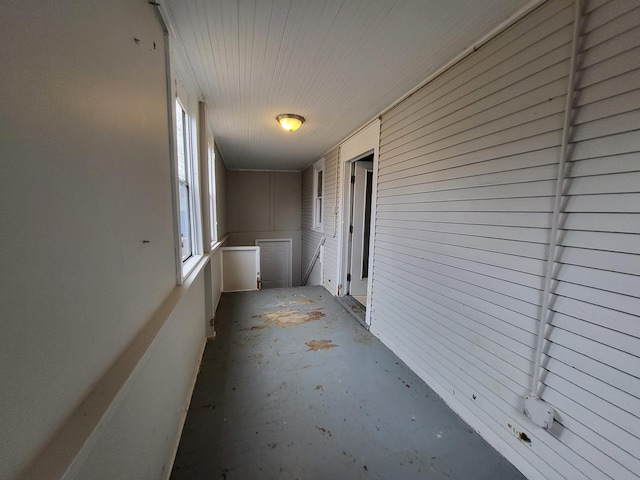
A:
x: 293, y: 387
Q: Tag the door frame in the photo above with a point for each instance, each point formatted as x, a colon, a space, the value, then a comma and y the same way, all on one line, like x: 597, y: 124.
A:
x: 360, y: 145
x: 357, y: 220
x: 290, y: 241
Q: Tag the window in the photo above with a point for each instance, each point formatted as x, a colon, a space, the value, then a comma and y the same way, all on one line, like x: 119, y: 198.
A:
x: 184, y: 164
x: 212, y: 193
x: 318, y: 194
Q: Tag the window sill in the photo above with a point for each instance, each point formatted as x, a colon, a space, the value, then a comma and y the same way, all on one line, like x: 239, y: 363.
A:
x: 190, y: 264
x: 216, y: 245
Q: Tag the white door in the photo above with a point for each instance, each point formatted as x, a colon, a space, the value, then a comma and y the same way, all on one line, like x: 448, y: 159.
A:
x: 361, y: 223
x: 275, y: 262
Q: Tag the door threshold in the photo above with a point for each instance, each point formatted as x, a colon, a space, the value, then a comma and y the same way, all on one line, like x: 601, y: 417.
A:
x: 355, y: 308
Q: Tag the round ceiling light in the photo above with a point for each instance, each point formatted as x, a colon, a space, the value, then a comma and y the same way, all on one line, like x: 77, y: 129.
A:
x: 290, y: 122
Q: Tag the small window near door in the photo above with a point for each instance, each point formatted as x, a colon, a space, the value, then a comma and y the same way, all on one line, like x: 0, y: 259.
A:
x: 318, y: 194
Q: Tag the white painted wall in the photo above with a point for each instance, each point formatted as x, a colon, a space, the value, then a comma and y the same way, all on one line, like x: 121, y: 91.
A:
x: 310, y: 237
x: 90, y: 315
x: 331, y: 221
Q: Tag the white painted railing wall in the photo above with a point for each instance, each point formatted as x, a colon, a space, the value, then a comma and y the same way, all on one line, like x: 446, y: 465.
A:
x: 465, y: 199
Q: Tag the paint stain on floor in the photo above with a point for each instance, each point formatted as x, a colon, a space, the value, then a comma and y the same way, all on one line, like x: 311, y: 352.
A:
x: 316, y: 345
x: 258, y: 327
x: 287, y: 318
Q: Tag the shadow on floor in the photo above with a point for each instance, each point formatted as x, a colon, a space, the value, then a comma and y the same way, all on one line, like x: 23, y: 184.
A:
x: 294, y: 387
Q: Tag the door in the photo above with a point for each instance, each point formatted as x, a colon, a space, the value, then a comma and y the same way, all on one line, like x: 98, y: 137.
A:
x: 360, y: 228
x: 275, y: 262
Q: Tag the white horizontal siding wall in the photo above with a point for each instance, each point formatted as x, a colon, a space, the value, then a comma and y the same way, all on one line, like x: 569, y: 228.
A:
x: 310, y: 238
x: 330, y: 221
x: 593, y: 367
x: 467, y: 171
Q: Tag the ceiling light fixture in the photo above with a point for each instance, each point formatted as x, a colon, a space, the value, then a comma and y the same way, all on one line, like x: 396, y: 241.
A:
x: 290, y: 122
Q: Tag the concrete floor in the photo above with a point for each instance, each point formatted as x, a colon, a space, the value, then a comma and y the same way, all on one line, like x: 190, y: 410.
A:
x: 294, y: 387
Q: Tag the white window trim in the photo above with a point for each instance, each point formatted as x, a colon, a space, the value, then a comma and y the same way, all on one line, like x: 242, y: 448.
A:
x: 213, y: 213
x: 317, y: 220
x: 193, y: 172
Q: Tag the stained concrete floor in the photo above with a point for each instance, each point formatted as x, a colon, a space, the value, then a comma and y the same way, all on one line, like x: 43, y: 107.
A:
x: 293, y: 387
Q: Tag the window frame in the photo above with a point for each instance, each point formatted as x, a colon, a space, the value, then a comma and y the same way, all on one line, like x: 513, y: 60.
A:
x: 184, y: 180
x: 190, y: 180
x: 317, y: 199
x: 213, y: 213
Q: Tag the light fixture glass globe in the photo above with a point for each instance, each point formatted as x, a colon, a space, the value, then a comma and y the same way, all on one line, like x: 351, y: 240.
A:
x: 290, y: 122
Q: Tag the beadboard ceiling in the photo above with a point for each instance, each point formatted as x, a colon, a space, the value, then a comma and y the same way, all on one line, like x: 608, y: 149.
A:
x: 338, y: 63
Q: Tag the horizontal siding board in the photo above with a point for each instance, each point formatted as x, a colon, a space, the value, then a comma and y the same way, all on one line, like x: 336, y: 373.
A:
x: 509, y: 66
x: 609, y: 87
x: 470, y: 306
x: 518, y: 204
x: 510, y: 310
x: 603, y: 353
x: 614, y: 46
x: 515, y: 256
x: 612, y: 125
x: 577, y: 399
x: 603, y: 184
x: 604, y: 23
x: 602, y: 203
x: 527, y: 219
x: 528, y: 143
x: 510, y: 179
x: 620, y: 398
x: 615, y: 320
x: 456, y: 166
x: 583, y: 363
x: 612, y: 300
x: 508, y: 44
x: 605, y: 280
x: 603, y: 165
x: 539, y: 132
x: 601, y: 222
x: 541, y: 188
x: 513, y: 339
x: 600, y: 259
x: 590, y: 445
x: 522, y: 95
x: 610, y: 68
x: 409, y: 255
x: 611, y: 106
x: 457, y: 336
x: 607, y: 19
x: 535, y: 235
x: 507, y: 267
